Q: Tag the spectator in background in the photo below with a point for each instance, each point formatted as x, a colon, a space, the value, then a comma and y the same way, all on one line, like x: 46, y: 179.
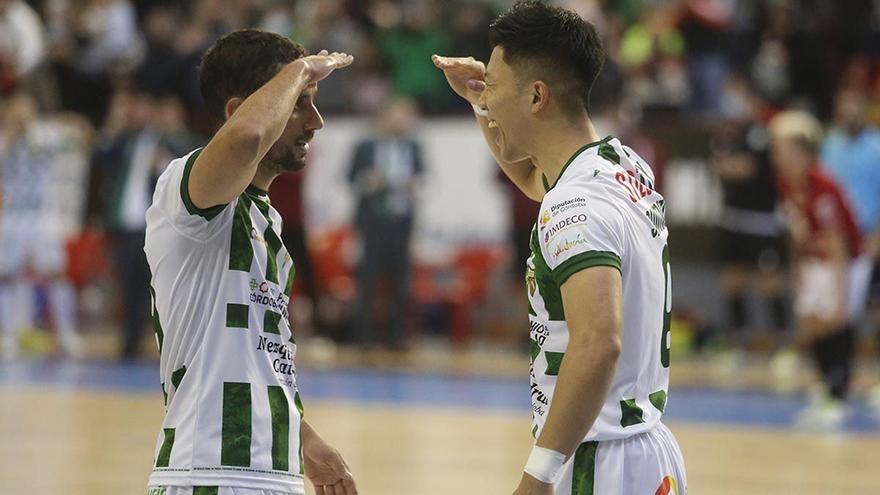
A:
x: 129, y: 157
x: 384, y: 174
x: 751, y: 236
x: 32, y: 246
x: 286, y: 195
x: 851, y: 153
x: 407, y: 48
x: 825, y: 242
x: 22, y: 42
x: 704, y: 25
x: 91, y: 41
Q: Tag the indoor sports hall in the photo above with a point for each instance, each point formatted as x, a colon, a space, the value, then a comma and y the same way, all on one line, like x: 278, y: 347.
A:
x: 413, y: 348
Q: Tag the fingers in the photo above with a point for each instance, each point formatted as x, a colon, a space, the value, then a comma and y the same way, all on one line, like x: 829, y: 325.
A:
x: 342, y: 59
x: 476, y: 85
x: 323, y: 53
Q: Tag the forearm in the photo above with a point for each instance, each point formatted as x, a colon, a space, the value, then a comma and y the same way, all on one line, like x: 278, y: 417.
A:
x: 584, y: 380
x: 229, y: 162
x: 523, y: 174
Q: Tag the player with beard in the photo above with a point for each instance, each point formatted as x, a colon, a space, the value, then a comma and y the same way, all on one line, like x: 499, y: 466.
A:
x: 221, y: 281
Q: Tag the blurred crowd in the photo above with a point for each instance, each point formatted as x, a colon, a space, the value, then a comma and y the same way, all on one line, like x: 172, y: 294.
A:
x: 110, y: 87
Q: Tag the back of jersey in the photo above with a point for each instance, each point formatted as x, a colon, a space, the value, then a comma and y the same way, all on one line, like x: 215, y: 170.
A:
x: 604, y: 210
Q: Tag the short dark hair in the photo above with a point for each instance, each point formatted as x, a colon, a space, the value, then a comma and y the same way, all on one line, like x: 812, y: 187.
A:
x: 240, y: 63
x: 558, y: 43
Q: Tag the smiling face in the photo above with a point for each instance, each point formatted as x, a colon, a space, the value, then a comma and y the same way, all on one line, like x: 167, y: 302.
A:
x: 288, y: 154
x: 508, y: 100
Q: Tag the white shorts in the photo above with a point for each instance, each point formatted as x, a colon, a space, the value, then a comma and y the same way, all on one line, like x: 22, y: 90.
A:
x: 646, y: 464
x: 209, y: 490
x: 817, y: 295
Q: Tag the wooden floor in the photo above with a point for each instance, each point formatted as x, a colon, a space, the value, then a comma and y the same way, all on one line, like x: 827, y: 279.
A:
x: 77, y: 442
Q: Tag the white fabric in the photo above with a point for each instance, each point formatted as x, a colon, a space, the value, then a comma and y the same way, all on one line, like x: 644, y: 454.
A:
x: 189, y: 258
x: 222, y: 490
x: 638, y: 465
x: 21, y: 37
x: 818, y: 294
x: 601, y: 206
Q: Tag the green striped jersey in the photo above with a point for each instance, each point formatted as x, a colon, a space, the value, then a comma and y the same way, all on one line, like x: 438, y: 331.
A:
x: 603, y: 211
x: 221, y: 281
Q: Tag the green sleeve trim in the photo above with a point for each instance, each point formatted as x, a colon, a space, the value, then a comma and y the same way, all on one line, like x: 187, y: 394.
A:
x: 206, y: 213
x: 583, y: 261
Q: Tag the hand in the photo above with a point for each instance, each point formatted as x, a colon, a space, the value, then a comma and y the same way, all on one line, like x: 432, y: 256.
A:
x: 317, y: 67
x: 465, y: 75
x: 531, y: 486
x: 326, y: 468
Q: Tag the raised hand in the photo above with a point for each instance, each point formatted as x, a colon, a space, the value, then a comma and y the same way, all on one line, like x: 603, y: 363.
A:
x: 465, y: 75
x: 319, y: 66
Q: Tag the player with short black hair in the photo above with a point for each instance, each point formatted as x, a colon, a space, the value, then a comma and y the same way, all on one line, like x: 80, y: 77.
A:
x: 598, y: 278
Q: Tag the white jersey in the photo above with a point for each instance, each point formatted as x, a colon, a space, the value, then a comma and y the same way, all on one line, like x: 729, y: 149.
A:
x: 604, y: 211
x: 221, y: 282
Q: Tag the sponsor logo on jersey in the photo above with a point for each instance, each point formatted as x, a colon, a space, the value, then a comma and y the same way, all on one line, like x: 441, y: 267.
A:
x: 545, y: 219
x: 667, y: 487
x: 567, y: 205
x: 568, y: 244
x: 636, y: 184
x: 563, y: 224
x: 283, y: 363
x: 657, y: 215
x: 262, y: 293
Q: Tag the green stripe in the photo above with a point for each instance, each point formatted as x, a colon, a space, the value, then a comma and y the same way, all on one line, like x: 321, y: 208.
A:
x: 547, y: 286
x: 288, y: 289
x: 584, y: 469
x: 535, y: 431
x: 177, y: 376
x: 534, y: 349
x: 658, y: 399
x: 241, y: 249
x: 237, y: 315
x: 273, y: 245
x: 235, y: 442
x: 583, y: 148
x: 583, y: 261
x: 280, y: 428
x: 554, y: 361
x: 164, y: 457
x: 206, y: 490
x: 630, y: 413
x: 299, y: 407
x: 206, y: 213
x: 271, y: 320
x: 607, y: 152
x: 164, y: 394
x: 157, y: 325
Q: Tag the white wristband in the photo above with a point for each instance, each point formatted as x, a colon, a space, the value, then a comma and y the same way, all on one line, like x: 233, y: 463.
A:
x: 544, y: 465
x: 479, y: 110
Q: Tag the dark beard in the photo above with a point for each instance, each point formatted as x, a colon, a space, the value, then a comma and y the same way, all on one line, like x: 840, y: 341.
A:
x: 281, y: 159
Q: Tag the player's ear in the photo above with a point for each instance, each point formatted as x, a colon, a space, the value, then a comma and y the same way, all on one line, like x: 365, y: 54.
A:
x: 232, y: 105
x: 540, y: 96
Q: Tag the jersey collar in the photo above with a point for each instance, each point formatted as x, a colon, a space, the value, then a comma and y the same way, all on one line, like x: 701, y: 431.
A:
x: 547, y: 186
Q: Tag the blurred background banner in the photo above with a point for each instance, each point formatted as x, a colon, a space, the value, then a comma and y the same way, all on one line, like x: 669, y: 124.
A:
x: 759, y: 118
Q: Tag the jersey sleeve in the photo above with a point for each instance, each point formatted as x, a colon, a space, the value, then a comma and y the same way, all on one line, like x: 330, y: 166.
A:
x: 172, y: 195
x: 579, y: 230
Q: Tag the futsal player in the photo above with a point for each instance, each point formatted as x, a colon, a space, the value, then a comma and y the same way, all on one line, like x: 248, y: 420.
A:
x: 598, y: 277
x: 221, y: 281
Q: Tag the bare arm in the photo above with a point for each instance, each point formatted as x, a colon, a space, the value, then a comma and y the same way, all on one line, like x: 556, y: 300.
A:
x: 228, y: 163
x: 592, y: 299
x: 465, y: 75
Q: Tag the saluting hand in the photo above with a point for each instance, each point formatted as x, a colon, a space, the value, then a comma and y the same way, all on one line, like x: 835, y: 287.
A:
x: 319, y: 66
x: 465, y: 75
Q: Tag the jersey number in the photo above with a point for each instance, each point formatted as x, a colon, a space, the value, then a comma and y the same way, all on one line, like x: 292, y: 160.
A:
x: 665, y: 341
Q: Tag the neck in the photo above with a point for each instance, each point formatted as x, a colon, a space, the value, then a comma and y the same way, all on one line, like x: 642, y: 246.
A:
x: 559, y: 143
x: 263, y: 178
